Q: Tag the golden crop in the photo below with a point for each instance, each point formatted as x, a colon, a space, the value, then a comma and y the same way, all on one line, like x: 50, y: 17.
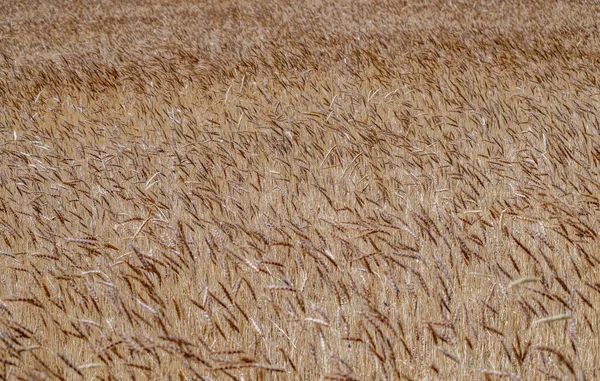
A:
x: 310, y: 190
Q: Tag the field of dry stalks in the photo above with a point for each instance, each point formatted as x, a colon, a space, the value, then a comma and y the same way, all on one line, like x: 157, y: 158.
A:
x: 313, y: 190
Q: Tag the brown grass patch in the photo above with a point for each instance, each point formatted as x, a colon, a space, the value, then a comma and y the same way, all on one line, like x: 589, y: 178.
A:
x: 303, y: 190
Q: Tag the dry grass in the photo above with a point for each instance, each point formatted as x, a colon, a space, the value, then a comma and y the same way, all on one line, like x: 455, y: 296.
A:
x: 307, y: 190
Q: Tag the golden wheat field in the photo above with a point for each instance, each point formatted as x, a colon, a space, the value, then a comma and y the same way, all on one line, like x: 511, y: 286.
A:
x: 300, y: 190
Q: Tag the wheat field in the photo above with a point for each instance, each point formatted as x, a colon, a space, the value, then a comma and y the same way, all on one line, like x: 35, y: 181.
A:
x: 300, y: 190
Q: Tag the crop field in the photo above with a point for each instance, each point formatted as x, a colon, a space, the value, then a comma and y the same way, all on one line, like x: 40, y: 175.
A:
x: 300, y: 190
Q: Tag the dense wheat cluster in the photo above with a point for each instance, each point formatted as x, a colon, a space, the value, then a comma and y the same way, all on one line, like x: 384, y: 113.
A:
x: 319, y: 190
